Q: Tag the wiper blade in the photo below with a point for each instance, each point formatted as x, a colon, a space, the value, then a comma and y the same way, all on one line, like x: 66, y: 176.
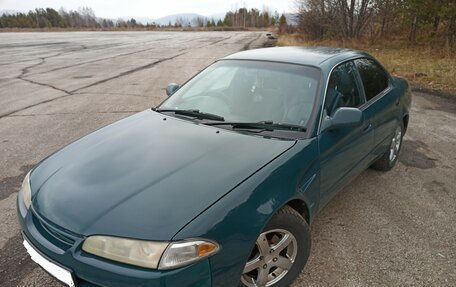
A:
x: 263, y: 125
x: 192, y: 113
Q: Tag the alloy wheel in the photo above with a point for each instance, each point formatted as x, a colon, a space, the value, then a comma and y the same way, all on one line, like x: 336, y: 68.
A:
x: 395, y: 144
x: 273, y: 256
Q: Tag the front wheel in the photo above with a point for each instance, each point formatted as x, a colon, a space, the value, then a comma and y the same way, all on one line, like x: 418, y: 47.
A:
x: 280, y: 251
x: 389, y: 158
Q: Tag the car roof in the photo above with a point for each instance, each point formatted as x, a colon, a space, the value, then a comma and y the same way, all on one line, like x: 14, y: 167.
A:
x: 312, y: 56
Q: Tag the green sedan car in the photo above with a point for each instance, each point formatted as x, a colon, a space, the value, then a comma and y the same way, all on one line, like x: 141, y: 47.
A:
x: 216, y: 186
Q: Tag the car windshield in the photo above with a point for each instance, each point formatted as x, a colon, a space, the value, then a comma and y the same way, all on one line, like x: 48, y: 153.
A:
x: 250, y: 91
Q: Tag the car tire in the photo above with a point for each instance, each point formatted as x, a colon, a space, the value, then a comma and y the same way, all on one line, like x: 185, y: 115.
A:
x: 278, y: 267
x: 388, y: 160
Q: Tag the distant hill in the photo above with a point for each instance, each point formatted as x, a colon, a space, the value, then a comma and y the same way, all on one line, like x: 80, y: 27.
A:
x: 217, y: 16
x: 183, y: 18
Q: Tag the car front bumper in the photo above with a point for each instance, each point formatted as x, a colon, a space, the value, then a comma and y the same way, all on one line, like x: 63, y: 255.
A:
x: 64, y: 249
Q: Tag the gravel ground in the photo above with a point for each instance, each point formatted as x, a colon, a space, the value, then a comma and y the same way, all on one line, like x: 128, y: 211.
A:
x: 384, y: 229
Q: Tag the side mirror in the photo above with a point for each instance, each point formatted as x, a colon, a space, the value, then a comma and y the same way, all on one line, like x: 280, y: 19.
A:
x: 171, y: 89
x: 342, y: 118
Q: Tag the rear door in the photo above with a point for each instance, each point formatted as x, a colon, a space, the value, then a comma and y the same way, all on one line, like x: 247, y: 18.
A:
x: 343, y: 151
x: 381, y: 103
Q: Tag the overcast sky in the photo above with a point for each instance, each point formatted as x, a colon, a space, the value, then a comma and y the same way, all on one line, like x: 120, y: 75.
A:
x: 148, y: 8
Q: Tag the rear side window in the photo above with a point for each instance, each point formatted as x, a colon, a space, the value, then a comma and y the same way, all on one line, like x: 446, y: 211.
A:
x: 374, y: 78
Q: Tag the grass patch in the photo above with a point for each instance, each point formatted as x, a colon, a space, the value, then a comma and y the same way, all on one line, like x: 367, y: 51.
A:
x: 425, y: 65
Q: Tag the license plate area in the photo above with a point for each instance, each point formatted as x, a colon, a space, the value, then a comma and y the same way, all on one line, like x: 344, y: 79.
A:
x: 60, y: 273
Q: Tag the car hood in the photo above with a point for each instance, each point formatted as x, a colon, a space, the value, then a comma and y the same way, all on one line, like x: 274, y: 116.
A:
x: 145, y: 176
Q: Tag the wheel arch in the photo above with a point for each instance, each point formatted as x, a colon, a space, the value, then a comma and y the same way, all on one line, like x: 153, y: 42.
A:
x: 405, y: 121
x: 301, y: 207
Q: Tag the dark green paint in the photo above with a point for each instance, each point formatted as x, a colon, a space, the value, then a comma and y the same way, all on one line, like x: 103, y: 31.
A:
x: 133, y: 171
x: 157, y: 177
x: 342, y: 118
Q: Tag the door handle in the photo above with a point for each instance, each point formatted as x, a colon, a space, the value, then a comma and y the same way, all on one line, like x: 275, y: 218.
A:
x: 368, y: 127
x: 397, y: 102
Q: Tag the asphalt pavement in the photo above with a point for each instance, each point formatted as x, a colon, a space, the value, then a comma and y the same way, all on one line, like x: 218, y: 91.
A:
x: 384, y: 229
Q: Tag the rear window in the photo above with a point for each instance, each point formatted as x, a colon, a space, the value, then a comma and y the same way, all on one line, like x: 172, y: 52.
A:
x: 375, y: 79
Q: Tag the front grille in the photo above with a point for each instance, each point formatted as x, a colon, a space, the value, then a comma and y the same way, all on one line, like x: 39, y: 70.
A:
x: 55, y: 235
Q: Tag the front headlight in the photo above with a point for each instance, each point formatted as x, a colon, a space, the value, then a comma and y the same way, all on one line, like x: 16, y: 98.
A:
x: 182, y: 253
x: 148, y: 253
x: 26, y: 192
x: 136, y: 252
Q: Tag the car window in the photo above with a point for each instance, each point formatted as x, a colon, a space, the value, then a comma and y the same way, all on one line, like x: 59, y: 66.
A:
x: 342, y: 90
x: 251, y: 91
x: 374, y: 78
x: 219, y: 79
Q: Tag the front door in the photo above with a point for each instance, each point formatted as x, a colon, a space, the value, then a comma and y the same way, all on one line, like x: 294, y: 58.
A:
x: 343, y: 150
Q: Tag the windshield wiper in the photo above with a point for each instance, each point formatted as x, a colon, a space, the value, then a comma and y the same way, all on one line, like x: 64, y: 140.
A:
x: 192, y: 113
x: 263, y: 125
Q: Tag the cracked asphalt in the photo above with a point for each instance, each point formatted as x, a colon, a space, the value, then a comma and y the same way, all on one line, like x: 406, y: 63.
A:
x: 384, y: 229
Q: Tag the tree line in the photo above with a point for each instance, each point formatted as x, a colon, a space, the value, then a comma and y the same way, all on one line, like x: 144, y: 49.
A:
x: 240, y: 18
x: 50, y: 18
x: 253, y: 18
x: 86, y: 18
x: 377, y: 19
